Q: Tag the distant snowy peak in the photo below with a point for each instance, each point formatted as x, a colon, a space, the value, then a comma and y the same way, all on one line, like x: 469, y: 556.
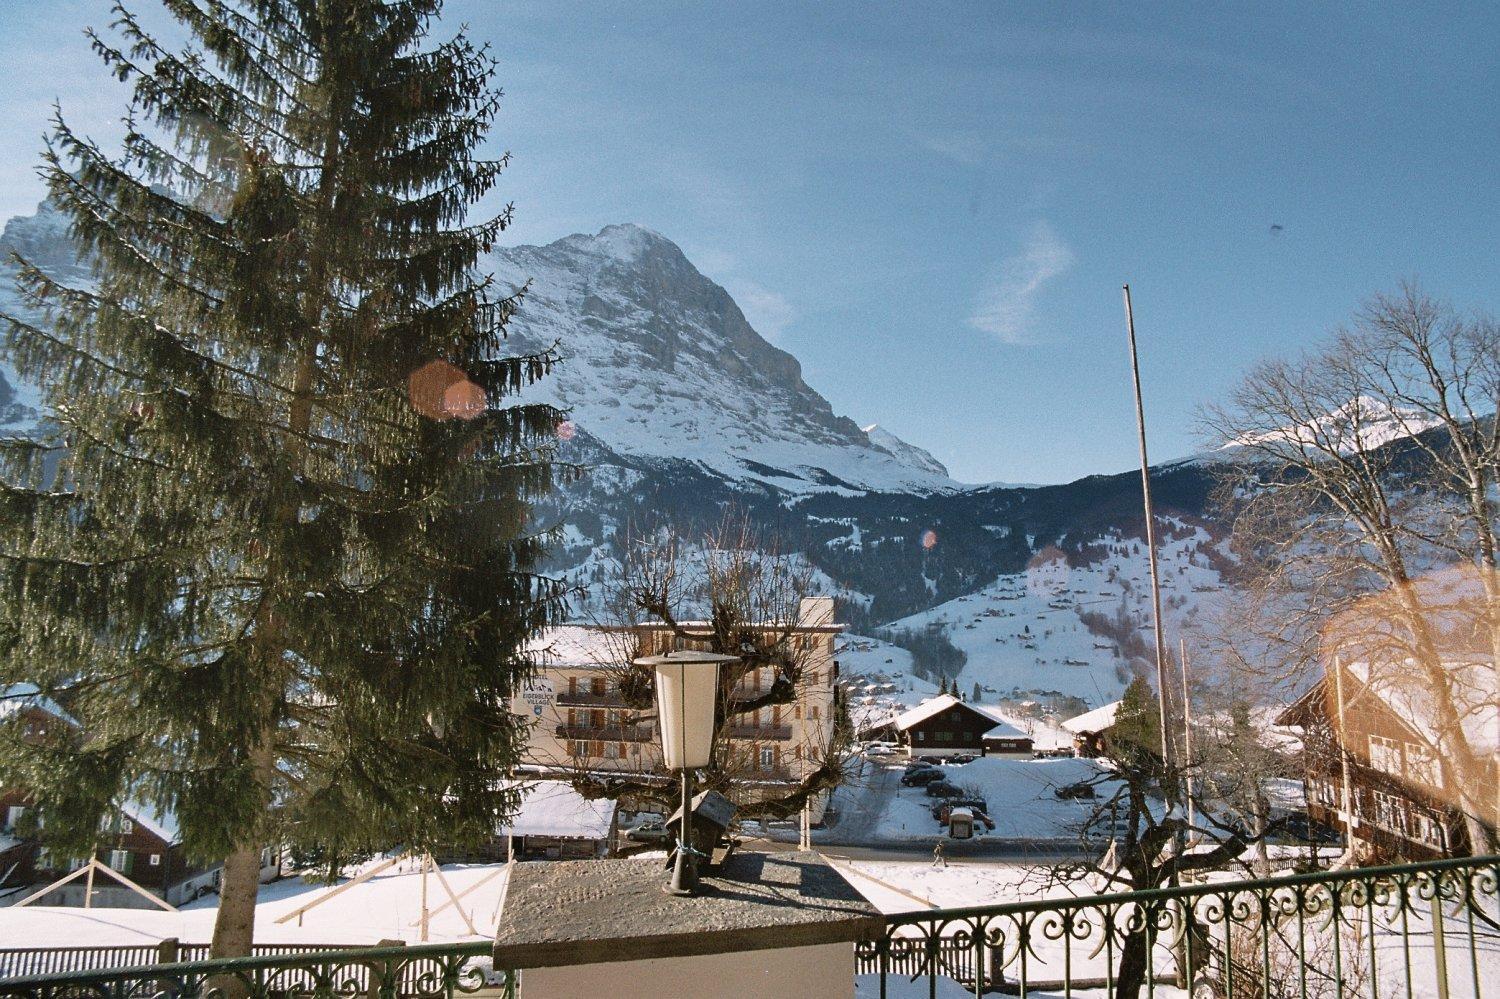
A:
x: 660, y: 363
x: 910, y: 453
x: 1361, y: 424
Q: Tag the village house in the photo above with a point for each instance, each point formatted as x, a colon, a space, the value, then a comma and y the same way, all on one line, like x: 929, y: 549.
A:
x: 582, y: 722
x: 138, y: 841
x: 947, y: 726
x: 1092, y: 730
x: 1371, y: 762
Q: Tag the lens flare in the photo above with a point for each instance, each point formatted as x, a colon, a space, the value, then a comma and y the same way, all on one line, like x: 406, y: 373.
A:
x: 566, y: 430
x: 929, y: 539
x: 440, y: 391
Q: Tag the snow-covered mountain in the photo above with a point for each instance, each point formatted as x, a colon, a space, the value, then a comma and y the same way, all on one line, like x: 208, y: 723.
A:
x: 682, y: 411
x: 660, y: 363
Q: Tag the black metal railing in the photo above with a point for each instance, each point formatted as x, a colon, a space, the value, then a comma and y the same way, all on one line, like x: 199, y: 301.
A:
x: 422, y: 971
x: 1414, y: 931
x: 18, y: 962
x: 606, y: 733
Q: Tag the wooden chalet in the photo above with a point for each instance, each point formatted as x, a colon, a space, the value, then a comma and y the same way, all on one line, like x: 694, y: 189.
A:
x: 947, y: 726
x: 1371, y: 762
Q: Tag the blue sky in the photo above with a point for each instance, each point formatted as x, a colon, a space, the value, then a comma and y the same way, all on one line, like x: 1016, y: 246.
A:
x: 933, y: 206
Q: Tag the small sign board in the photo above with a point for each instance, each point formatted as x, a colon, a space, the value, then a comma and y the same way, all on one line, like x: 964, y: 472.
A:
x: 534, y: 695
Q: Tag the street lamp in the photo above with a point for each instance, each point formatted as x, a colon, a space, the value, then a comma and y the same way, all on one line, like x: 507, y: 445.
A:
x: 687, y: 688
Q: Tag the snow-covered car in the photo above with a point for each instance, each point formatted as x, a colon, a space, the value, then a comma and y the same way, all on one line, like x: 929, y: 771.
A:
x: 1081, y: 790
x: 918, y: 778
x: 943, y: 789
x: 879, y: 749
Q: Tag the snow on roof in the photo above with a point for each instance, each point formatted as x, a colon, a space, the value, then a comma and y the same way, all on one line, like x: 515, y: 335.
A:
x: 1473, y: 689
x: 927, y: 709
x: 579, y: 645
x: 1096, y: 720
x: 1005, y: 730
x: 19, y: 696
x: 160, y: 822
x: 555, y: 808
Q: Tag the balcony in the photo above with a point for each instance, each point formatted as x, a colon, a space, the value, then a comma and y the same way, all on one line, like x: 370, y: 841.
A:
x: 607, y: 733
x: 585, y: 699
x: 759, y: 733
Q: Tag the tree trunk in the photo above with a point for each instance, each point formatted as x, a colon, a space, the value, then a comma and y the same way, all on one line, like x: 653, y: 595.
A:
x: 1134, y: 958
x: 234, y: 929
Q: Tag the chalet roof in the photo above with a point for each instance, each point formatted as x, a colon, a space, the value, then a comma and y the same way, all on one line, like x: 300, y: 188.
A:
x: 1410, y: 699
x: 161, y: 823
x: 555, y: 808
x: 20, y: 696
x: 578, y: 645
x: 1096, y: 720
x: 932, y: 707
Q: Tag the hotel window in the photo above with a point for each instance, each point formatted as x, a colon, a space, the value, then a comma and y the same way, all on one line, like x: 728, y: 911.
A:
x: 120, y: 860
x: 612, y: 751
x: 817, y: 712
x: 578, y: 749
x: 768, y: 759
x: 598, y: 687
x: 156, y: 860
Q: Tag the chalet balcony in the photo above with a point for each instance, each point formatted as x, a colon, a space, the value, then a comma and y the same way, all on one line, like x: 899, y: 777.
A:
x: 607, y: 733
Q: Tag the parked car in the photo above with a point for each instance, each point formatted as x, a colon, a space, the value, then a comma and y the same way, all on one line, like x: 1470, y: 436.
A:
x: 1080, y: 790
x: 919, y: 765
x: 934, y: 760
x: 917, y: 778
x: 943, y: 789
x: 963, y: 758
x: 942, y: 808
x: 879, y: 749
x: 654, y: 831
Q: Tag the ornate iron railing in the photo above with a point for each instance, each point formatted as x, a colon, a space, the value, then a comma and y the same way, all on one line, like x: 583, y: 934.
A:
x: 1413, y: 931
x: 1418, y: 931
x: 423, y: 971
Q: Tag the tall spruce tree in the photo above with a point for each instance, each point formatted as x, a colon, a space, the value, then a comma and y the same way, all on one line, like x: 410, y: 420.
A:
x: 272, y: 549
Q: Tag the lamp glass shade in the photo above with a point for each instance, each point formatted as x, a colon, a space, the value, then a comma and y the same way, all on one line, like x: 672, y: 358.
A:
x: 687, y: 685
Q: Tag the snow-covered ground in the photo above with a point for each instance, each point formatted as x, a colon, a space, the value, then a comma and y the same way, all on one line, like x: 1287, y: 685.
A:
x: 1021, y: 799
x: 1023, y: 633
x: 387, y: 907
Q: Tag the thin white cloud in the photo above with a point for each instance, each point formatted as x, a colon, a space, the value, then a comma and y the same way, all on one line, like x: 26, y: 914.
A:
x: 768, y: 311
x: 1006, y: 304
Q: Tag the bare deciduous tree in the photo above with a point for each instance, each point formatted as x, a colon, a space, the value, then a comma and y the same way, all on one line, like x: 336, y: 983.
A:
x: 736, y: 594
x: 1370, y: 468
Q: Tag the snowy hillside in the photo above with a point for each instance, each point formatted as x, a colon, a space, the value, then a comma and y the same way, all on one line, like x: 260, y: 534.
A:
x: 660, y: 363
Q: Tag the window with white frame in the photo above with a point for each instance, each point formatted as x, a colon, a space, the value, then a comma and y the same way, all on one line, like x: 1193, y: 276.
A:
x: 1422, y: 766
x: 126, y: 826
x: 1385, y: 755
x: 1426, y: 828
x: 156, y: 860
x: 1390, y: 812
x: 768, y: 758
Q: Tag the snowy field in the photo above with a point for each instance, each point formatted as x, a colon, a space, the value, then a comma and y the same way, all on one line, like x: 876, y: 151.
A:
x: 1023, y: 633
x: 387, y: 907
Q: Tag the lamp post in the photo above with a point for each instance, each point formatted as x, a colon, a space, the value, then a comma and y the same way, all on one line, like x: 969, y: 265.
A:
x: 687, y: 688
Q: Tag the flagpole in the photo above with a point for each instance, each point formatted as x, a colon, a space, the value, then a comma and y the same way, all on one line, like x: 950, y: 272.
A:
x: 1161, y: 652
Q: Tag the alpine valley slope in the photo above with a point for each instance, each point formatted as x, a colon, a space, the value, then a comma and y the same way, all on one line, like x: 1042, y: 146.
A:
x: 681, y: 412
